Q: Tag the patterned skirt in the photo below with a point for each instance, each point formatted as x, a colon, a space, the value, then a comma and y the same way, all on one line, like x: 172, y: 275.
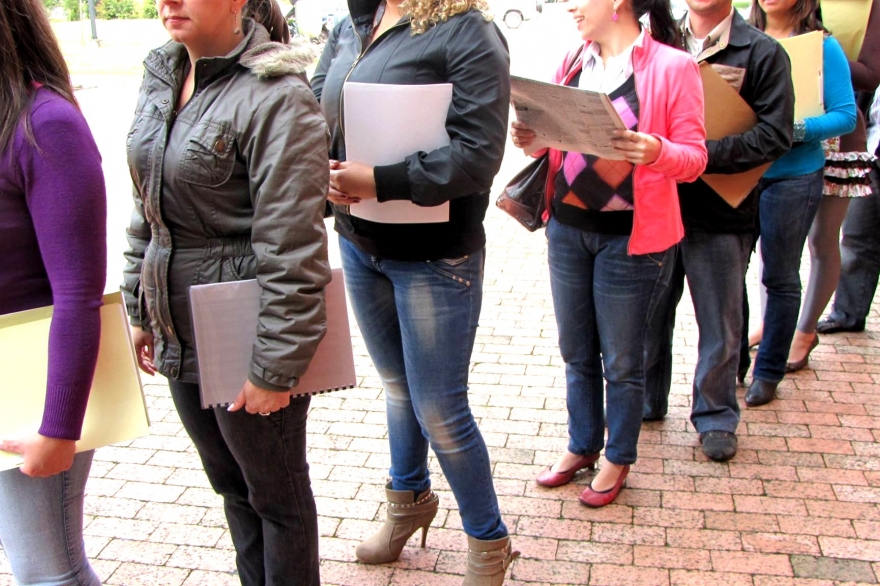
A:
x: 847, y: 174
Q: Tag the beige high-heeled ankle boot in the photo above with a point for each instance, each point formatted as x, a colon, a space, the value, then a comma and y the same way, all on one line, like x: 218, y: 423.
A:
x: 404, y: 517
x: 488, y: 561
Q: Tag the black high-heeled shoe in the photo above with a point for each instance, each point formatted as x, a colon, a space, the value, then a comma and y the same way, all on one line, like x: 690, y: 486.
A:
x: 803, y: 362
x: 760, y: 392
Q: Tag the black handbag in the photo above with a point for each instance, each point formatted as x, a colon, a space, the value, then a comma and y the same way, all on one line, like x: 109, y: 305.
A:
x: 524, y: 197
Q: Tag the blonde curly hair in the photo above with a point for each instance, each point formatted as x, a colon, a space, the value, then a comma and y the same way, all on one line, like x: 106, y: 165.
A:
x: 424, y: 14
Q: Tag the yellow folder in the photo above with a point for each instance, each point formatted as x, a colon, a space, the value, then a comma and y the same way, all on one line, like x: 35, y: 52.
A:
x: 805, y: 54
x: 116, y: 410
x: 848, y: 22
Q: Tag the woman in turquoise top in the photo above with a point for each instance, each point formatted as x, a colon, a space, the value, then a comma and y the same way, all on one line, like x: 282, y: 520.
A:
x: 791, y: 189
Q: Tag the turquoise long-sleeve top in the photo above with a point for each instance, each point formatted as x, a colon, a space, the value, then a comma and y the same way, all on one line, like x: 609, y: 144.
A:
x: 839, y: 117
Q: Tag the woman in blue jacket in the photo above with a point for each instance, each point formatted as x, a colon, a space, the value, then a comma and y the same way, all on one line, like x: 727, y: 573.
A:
x: 791, y: 190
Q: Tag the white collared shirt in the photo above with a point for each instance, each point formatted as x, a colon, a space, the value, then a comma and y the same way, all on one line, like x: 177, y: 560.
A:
x: 874, y: 124
x: 597, y: 76
x: 696, y: 46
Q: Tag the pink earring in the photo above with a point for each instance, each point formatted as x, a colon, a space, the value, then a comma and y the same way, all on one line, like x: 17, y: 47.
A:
x: 614, y: 16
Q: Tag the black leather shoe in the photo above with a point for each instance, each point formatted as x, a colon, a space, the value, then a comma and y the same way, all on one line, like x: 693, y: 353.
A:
x: 760, y: 392
x: 830, y: 326
x: 718, y: 445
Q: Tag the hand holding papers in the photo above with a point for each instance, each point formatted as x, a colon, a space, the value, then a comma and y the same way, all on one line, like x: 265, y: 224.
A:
x: 225, y: 321
x: 116, y: 410
x: 566, y: 118
x: 386, y: 123
x: 805, y: 53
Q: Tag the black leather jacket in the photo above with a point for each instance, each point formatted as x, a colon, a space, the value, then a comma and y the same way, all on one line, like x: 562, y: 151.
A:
x: 465, y: 50
x: 763, y: 66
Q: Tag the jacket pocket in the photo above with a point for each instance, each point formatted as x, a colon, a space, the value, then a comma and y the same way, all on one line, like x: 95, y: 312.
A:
x: 209, y: 157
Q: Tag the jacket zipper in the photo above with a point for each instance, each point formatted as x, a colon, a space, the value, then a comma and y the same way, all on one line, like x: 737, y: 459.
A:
x: 354, y: 64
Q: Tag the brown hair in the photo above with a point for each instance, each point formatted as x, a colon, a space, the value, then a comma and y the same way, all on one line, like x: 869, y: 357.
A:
x: 424, y: 14
x: 268, y: 14
x: 29, y: 55
x: 804, y: 16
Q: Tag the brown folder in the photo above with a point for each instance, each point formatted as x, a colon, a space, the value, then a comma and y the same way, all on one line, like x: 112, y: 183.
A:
x: 727, y: 114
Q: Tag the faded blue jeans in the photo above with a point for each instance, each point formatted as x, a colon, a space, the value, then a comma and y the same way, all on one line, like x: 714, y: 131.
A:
x: 715, y: 267
x: 419, y: 321
x: 41, y: 521
x: 786, y: 211
x: 604, y: 300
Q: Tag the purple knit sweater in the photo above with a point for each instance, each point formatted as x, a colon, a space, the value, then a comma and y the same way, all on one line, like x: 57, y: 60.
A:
x: 53, y: 249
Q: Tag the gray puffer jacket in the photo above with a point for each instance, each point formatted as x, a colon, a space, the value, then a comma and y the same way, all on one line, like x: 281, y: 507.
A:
x: 232, y: 187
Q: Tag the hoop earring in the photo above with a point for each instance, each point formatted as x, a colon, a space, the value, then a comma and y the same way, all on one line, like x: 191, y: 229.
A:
x: 236, y: 20
x: 614, y: 16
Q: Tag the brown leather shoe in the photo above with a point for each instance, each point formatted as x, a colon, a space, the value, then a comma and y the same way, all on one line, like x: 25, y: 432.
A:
x: 760, y: 392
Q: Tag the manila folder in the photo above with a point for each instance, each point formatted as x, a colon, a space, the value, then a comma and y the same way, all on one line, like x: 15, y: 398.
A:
x: 728, y: 114
x: 805, y: 53
x: 225, y: 317
x: 116, y: 410
x: 384, y: 124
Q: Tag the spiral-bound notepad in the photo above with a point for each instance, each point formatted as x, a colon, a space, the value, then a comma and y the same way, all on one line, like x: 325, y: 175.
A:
x: 225, y: 323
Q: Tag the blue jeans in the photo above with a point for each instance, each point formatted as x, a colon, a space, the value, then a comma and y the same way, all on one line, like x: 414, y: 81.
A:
x: 860, y: 261
x: 786, y: 211
x: 604, y: 299
x: 715, y: 266
x: 41, y: 522
x: 258, y: 465
x: 419, y: 322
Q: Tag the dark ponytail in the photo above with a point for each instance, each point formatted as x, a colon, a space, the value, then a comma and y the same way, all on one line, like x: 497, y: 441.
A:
x: 663, y: 28
x: 268, y: 14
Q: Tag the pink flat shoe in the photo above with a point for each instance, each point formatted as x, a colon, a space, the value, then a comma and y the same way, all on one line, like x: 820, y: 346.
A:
x: 553, y: 479
x: 595, y: 499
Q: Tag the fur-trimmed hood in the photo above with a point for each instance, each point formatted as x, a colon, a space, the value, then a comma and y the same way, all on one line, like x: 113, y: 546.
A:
x: 268, y: 59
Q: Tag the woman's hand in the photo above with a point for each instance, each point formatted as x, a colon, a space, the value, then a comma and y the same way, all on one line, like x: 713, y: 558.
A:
x: 143, y: 349
x: 522, y: 135
x: 351, y: 182
x: 257, y: 400
x: 637, y: 147
x: 43, y: 456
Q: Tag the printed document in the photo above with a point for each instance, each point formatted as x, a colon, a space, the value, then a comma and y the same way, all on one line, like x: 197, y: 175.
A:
x: 116, y: 411
x: 384, y: 124
x: 566, y: 118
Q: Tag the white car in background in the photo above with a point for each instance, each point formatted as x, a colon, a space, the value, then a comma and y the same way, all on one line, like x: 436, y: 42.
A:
x: 514, y: 12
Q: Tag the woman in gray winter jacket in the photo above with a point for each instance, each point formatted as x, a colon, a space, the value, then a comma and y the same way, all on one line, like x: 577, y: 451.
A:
x: 227, y: 154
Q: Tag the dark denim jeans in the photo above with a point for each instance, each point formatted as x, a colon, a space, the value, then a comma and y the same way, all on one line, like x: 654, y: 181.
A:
x: 604, y: 299
x: 258, y: 465
x: 786, y: 211
x: 419, y: 322
x: 41, y: 526
x: 715, y: 266
x: 860, y: 261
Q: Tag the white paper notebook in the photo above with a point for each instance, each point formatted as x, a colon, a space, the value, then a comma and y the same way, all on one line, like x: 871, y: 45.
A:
x: 225, y: 319
x: 116, y: 411
x: 386, y: 123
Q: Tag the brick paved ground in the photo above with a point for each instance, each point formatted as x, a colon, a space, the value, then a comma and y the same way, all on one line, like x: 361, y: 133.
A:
x: 798, y: 506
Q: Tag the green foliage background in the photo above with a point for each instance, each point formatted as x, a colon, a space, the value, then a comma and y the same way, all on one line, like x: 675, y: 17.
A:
x: 107, y: 9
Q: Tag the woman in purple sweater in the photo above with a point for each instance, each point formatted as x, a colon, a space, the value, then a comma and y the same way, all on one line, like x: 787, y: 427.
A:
x: 52, y: 252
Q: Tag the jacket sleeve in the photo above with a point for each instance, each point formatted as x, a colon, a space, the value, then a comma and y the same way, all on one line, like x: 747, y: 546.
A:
x: 773, y: 103
x: 478, y: 66
x: 287, y: 166
x: 866, y: 71
x: 683, y: 155
x: 840, y: 104
x: 327, y: 56
x: 138, y: 235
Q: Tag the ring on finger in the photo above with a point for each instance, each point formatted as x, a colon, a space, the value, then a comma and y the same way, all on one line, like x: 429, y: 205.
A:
x: 265, y: 414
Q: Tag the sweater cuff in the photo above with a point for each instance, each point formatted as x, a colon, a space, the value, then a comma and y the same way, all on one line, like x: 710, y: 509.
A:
x: 266, y: 386
x: 64, y: 412
x: 392, y: 182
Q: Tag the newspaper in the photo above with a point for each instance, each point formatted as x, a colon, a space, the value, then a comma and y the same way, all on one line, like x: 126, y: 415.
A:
x: 565, y: 118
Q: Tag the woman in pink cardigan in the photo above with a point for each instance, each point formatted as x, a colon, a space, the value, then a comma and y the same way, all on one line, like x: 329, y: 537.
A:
x: 615, y: 224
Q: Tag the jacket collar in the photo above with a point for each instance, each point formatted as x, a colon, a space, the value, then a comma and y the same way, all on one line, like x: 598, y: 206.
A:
x: 737, y: 35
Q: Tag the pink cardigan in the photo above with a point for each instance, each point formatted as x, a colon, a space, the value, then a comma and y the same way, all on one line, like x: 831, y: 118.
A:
x: 670, y: 95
